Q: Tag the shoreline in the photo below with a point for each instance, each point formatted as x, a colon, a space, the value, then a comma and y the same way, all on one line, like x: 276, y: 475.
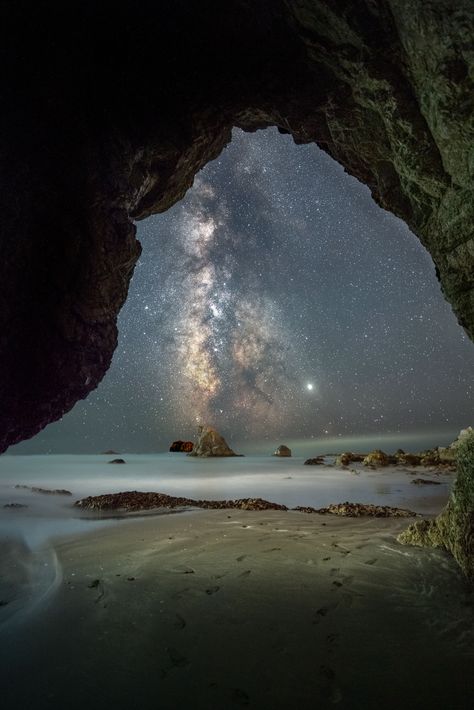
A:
x: 226, y: 608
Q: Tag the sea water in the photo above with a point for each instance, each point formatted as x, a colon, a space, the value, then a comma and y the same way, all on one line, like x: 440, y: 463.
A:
x: 286, y: 481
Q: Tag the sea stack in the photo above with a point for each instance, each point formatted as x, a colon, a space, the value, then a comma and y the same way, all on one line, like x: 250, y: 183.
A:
x: 282, y: 451
x: 211, y: 443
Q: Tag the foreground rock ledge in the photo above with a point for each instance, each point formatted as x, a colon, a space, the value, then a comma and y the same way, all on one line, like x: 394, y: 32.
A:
x: 453, y: 529
x: 132, y: 501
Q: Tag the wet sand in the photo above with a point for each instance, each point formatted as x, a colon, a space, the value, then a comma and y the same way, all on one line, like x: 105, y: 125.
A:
x: 227, y: 609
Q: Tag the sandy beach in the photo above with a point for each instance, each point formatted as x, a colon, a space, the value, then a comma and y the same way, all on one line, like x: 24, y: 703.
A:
x: 222, y: 609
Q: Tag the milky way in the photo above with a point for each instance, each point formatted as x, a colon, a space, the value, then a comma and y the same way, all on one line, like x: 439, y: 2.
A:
x: 276, y: 301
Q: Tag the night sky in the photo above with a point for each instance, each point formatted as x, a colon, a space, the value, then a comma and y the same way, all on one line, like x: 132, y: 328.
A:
x: 278, y: 303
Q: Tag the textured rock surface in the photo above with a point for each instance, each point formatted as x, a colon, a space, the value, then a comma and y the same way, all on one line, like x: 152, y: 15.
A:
x: 96, y: 134
x: 186, y: 446
x: 282, y: 450
x: 211, y: 443
x: 453, y: 529
x: 377, y: 458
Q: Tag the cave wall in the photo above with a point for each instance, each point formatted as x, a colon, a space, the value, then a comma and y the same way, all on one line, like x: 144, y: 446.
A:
x: 110, y: 110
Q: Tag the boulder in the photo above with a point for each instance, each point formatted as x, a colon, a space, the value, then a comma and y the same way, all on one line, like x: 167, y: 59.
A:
x: 211, y: 443
x: 377, y: 458
x: 282, y: 450
x: 186, y: 446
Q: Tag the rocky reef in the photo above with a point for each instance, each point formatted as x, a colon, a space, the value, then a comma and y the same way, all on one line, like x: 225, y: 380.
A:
x: 453, y: 529
x: 91, y: 141
x: 210, y: 443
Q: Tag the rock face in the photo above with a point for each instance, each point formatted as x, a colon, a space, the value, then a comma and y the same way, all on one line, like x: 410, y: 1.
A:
x: 211, y: 443
x: 91, y: 141
x: 453, y: 529
x: 282, y: 450
x: 186, y: 446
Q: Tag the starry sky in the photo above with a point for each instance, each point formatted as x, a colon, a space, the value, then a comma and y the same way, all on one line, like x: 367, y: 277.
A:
x: 277, y: 303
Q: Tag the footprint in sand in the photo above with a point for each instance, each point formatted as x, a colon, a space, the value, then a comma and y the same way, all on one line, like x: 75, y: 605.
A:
x: 241, y: 558
x: 326, y: 559
x: 246, y: 573
x: 272, y: 549
x: 177, y: 659
x: 322, y: 612
x: 180, y: 623
x: 99, y: 585
x: 240, y: 697
x: 329, y: 687
x: 371, y: 562
x: 334, y: 570
x: 212, y: 590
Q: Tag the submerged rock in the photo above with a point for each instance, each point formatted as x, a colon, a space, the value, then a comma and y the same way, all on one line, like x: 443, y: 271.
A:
x: 282, y: 450
x: 109, y: 452
x: 46, y: 491
x: 211, y: 443
x: 186, y: 446
x: 453, y: 529
x: 425, y: 482
x: 15, y: 506
x: 118, y: 461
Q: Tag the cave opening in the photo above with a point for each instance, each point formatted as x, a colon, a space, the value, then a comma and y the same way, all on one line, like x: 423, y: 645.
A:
x: 277, y: 301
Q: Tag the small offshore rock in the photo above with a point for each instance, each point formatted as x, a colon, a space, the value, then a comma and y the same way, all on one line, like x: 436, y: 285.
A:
x: 184, y: 446
x: 317, y: 461
x: 118, y: 461
x: 15, y: 505
x: 109, y: 452
x: 282, y: 450
x: 425, y: 482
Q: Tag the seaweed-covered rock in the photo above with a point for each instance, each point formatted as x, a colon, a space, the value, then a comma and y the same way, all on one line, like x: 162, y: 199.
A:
x: 282, y: 450
x: 211, y: 443
x: 453, y: 529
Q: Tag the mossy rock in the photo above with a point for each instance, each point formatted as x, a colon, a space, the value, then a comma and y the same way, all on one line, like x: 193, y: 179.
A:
x: 453, y: 529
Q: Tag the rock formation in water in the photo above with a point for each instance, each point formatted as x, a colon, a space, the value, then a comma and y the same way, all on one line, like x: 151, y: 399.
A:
x: 93, y: 140
x: 211, y: 443
x: 316, y: 461
x: 453, y: 529
x: 186, y: 446
x: 348, y: 457
x: 282, y: 450
x: 377, y: 458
